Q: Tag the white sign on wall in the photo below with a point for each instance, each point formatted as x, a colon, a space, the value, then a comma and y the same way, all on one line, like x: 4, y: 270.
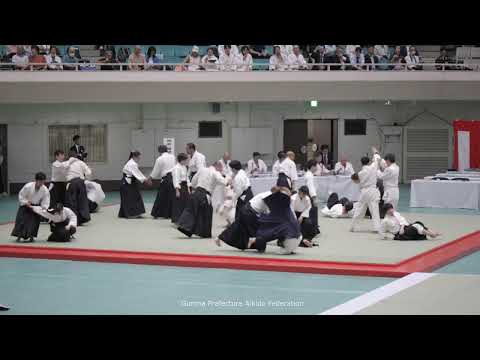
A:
x: 170, y: 144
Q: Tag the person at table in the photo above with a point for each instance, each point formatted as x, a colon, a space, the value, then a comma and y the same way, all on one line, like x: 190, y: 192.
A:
x: 162, y: 207
x: 395, y: 226
x: 197, y: 216
x: 32, y: 194
x: 301, y: 204
x: 241, y: 186
x: 312, y: 190
x: 76, y: 193
x: 388, y: 172
x: 63, y: 222
x: 58, y: 181
x: 256, y: 165
x: 287, y: 172
x: 325, y: 157
x: 225, y: 161
x: 78, y: 149
x: 131, y: 201
x: 95, y: 195
x: 197, y: 160
x: 343, y: 167
x: 337, y: 208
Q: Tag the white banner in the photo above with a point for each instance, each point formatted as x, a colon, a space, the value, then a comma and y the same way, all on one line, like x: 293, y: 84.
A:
x: 463, y: 138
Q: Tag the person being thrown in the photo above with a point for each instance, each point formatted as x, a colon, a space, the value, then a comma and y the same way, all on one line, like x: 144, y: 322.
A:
x: 337, y: 208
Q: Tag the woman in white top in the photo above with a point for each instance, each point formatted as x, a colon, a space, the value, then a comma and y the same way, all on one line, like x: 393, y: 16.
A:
x: 54, y: 62
x: 301, y: 205
x: 241, y: 186
x: 244, y: 60
x: 278, y: 61
x: 210, y: 61
x: 182, y: 186
x: 256, y: 165
x: 131, y: 201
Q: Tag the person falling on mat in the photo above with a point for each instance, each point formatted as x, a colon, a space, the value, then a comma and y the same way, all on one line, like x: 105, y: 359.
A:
x: 338, y: 208
x: 63, y: 222
x: 95, y: 195
x: 27, y: 221
x: 397, y: 227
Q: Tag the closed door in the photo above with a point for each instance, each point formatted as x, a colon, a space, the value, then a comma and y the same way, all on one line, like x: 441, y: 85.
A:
x: 295, y: 134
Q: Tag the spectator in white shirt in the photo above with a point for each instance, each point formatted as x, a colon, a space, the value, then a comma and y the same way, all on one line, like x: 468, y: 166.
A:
x: 192, y: 61
x: 296, y: 61
x: 54, y: 62
x: 286, y: 49
x: 210, y: 61
x: 278, y: 61
x: 413, y: 60
x: 244, y: 60
x: 357, y: 59
x: 20, y: 59
x: 256, y: 165
x: 233, y: 50
x: 228, y: 59
x: 350, y: 50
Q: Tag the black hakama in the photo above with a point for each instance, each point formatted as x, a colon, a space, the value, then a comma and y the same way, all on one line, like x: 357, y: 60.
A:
x: 27, y: 223
x: 197, y: 216
x: 131, y: 201
x: 247, y: 195
x: 57, y: 193
x: 242, y: 229
x: 411, y: 233
x: 306, y: 228
x: 380, y: 203
x: 162, y: 208
x: 93, y: 206
x: 77, y: 200
x: 280, y: 224
x: 284, y: 181
x: 60, y: 233
x: 313, y: 217
x: 178, y: 204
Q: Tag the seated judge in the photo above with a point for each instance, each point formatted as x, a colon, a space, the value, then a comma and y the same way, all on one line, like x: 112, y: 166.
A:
x: 343, y: 167
x: 78, y: 149
x: 27, y: 222
x: 63, y: 222
x: 325, y: 157
x: 256, y: 165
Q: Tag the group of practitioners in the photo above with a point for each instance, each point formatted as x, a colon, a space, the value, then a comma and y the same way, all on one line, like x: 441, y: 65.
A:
x: 66, y: 204
x: 287, y: 213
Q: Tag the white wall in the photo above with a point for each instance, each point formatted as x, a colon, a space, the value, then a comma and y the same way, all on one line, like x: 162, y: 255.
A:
x: 28, y: 125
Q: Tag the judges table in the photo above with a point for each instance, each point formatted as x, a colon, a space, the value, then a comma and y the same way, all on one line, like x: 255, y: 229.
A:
x: 452, y: 194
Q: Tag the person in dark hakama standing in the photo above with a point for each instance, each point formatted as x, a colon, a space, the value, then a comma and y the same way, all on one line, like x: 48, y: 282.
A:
x: 182, y: 186
x: 312, y: 190
x: 63, y: 222
x: 27, y: 221
x: 197, y: 216
x: 302, y: 205
x: 131, y: 201
x: 76, y: 192
x: 241, y: 186
x: 162, y: 207
x: 58, y: 181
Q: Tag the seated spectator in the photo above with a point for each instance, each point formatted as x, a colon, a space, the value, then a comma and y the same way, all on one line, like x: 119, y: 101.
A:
x: 350, y: 51
x: 210, y: 61
x: 319, y: 57
x: 286, y: 49
x: 11, y: 51
x: 20, y: 59
x: 338, y: 58
x: 371, y: 58
x: 397, y: 59
x: 357, y: 59
x: 36, y: 58
x: 44, y: 49
x: 136, y: 61
x: 244, y: 60
x: 233, y: 50
x: 444, y: 59
x: 296, y: 61
x: 152, y: 59
x: 228, y: 60
x: 192, y: 61
x: 108, y: 59
x: 330, y: 50
x: 70, y: 58
x: 278, y: 61
x: 259, y: 52
x: 54, y: 61
x: 413, y: 60
x: 382, y: 51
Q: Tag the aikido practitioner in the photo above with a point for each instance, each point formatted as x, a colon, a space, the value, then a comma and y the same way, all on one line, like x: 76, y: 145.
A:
x: 225, y: 161
x: 276, y: 165
x: 197, y: 216
x: 182, y: 186
x: 58, y: 181
x: 27, y: 222
x: 162, y: 207
x: 388, y: 172
x: 397, y: 227
x: 197, y: 160
x: 289, y: 169
x: 301, y: 205
x: 246, y: 225
x: 63, y: 222
x: 241, y: 186
x: 79, y: 150
x: 76, y: 192
x: 256, y: 165
x: 95, y: 195
x: 131, y: 201
x: 369, y: 194
x: 312, y: 190
x: 337, y: 208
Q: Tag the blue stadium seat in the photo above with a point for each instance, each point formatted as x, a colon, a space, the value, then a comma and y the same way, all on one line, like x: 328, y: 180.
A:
x: 182, y: 50
x: 166, y: 50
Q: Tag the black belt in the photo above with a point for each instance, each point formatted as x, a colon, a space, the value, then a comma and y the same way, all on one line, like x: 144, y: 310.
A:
x: 203, y: 190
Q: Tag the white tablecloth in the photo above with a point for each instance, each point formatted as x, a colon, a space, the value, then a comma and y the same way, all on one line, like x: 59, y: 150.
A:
x: 445, y: 194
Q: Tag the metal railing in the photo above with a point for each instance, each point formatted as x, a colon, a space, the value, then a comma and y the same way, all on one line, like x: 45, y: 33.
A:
x: 180, y: 67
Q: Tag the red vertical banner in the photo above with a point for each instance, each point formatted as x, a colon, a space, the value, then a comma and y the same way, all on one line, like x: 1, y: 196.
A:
x: 473, y: 127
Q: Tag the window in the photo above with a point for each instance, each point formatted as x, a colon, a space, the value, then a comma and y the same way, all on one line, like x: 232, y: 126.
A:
x: 92, y: 137
x: 356, y: 127
x: 210, y: 129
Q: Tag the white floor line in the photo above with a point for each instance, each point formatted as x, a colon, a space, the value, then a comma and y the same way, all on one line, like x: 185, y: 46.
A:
x: 359, y: 303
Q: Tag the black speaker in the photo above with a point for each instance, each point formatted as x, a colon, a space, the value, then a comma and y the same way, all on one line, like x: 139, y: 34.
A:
x: 215, y: 107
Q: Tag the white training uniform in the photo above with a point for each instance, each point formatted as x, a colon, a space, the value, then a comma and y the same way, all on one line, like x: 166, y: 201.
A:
x: 66, y: 214
x: 258, y: 204
x: 228, y: 62
x: 28, y: 194
x: 321, y: 170
x: 78, y: 169
x: 389, y: 176
x: 163, y: 165
x: 392, y: 225
x: 289, y: 168
x: 241, y: 182
x: 227, y: 171
x: 59, y: 170
x: 312, y: 190
x: 296, y: 62
x: 197, y: 161
x: 276, y: 168
x: 252, y: 167
x: 233, y: 50
x: 208, y: 179
x: 278, y: 63
x: 302, y: 206
x: 369, y: 196
x: 131, y: 170
x: 244, y: 63
x: 180, y: 174
x: 344, y: 170
x: 94, y: 192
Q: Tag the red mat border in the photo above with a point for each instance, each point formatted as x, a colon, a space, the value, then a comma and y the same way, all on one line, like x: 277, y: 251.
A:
x: 423, y: 262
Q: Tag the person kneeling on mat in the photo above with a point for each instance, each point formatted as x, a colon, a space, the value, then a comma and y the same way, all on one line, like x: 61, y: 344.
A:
x: 63, y: 222
x: 397, y: 227
x: 301, y: 206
